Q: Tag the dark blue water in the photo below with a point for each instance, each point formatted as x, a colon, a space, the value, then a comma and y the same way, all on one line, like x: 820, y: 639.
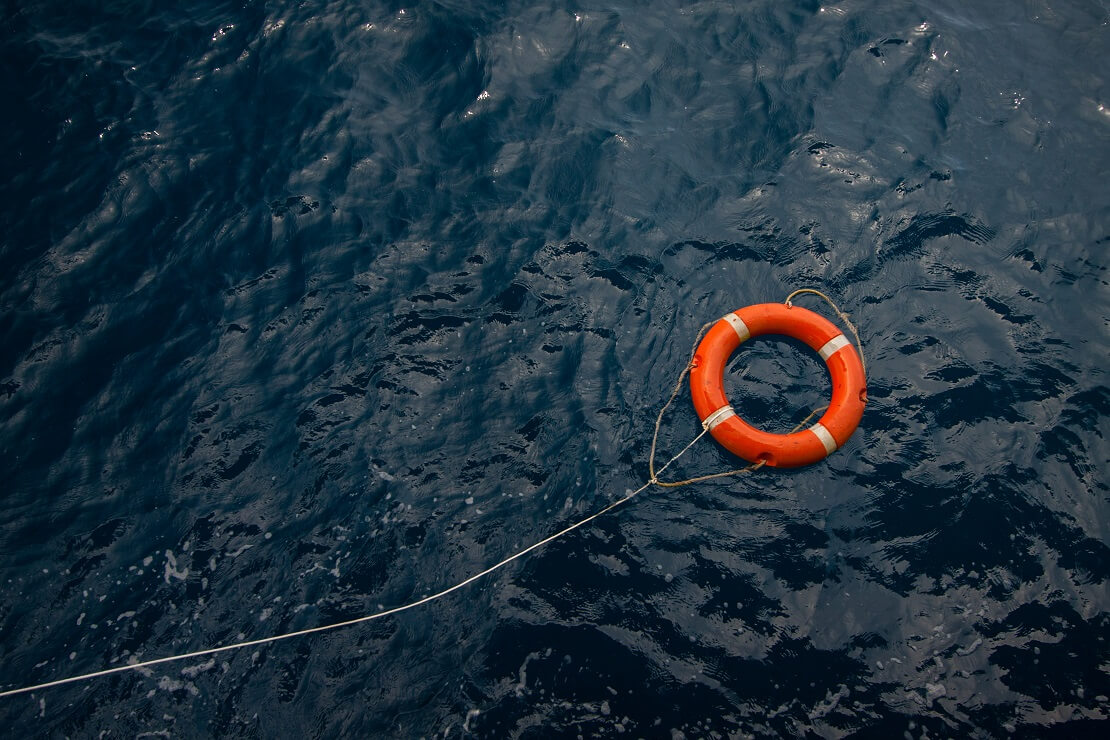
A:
x: 309, y: 308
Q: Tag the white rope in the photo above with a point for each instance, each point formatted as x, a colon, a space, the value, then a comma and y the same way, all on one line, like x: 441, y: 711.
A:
x: 349, y: 622
x: 653, y: 479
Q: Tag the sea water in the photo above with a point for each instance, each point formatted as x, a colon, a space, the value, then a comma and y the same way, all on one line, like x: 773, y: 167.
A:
x: 310, y: 309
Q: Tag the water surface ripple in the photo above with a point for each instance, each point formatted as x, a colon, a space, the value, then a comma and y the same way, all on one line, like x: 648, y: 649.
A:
x: 308, y: 308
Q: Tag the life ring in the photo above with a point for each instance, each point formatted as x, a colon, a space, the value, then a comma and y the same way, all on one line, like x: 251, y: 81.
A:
x: 832, y: 430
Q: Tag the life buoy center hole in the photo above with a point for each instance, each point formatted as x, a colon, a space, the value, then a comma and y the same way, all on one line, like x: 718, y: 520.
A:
x: 773, y: 381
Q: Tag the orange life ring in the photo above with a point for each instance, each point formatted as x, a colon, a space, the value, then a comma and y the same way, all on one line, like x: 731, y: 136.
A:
x: 832, y: 430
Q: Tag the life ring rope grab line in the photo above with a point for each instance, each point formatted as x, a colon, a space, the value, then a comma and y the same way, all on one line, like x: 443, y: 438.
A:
x: 716, y: 343
x: 713, y: 336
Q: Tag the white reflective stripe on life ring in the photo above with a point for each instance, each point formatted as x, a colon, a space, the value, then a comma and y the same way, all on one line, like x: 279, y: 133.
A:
x: 832, y: 346
x: 738, y: 326
x: 717, y: 417
x: 825, y: 436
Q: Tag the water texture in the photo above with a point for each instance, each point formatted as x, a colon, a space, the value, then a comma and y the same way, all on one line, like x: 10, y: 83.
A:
x: 307, y: 308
